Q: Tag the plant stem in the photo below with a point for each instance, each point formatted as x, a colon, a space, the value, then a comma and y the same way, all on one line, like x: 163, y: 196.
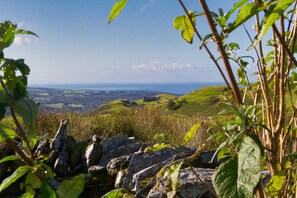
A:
x: 224, y: 56
x: 204, y: 45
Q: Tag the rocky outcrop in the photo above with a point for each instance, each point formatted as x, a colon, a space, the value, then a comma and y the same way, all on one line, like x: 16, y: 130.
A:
x: 121, y: 162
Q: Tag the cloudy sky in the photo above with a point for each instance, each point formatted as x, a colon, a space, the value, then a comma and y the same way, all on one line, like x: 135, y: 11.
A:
x: 76, y: 45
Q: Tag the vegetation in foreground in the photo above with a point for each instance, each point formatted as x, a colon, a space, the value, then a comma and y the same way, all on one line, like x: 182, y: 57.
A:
x: 165, y: 114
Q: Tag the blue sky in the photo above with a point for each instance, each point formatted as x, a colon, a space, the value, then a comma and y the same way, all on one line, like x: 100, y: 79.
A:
x: 76, y: 45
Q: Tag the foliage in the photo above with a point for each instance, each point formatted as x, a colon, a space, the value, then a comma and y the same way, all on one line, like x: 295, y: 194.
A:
x: 15, y: 98
x: 268, y: 118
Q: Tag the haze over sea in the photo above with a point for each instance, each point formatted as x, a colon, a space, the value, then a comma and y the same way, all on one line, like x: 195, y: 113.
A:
x: 174, y: 88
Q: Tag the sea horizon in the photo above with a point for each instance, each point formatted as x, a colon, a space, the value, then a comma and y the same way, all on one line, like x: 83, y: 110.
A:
x: 178, y: 88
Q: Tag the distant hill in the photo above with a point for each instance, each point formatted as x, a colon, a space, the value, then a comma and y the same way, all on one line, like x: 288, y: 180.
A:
x: 81, y: 100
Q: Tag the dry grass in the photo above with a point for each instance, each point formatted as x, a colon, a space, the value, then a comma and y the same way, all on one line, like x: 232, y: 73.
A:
x: 143, y: 123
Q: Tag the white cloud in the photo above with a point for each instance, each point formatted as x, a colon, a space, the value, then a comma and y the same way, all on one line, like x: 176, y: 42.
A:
x: 158, y: 66
x: 148, y: 5
x: 24, y: 25
x: 24, y: 39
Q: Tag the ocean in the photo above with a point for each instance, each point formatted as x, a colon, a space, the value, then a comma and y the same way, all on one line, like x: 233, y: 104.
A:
x: 174, y: 88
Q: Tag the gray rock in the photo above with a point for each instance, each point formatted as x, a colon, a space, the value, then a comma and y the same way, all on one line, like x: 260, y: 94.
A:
x: 115, y: 142
x: 151, y: 171
x: 42, y: 147
x: 97, y: 170
x: 62, y: 162
x: 121, y: 151
x: 60, y: 136
x: 93, y: 153
x: 190, y: 185
x: 141, y: 161
x: 119, y: 179
x: 118, y: 164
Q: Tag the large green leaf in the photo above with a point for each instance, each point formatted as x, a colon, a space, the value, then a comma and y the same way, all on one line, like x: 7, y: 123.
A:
x: 245, y: 13
x: 116, y: 9
x: 249, y: 169
x: 27, y: 109
x: 15, y: 176
x: 184, y: 24
x: 72, y: 187
x: 191, y: 133
x: 239, y: 176
x: 225, y: 179
x: 6, y: 133
x: 270, y: 19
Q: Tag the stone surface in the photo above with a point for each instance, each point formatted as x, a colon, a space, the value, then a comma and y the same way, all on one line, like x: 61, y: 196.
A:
x: 121, y: 151
x: 62, y: 161
x: 190, y: 185
x: 60, y: 136
x: 115, y: 142
x: 118, y: 164
x: 151, y: 171
x: 92, y: 154
x: 141, y: 161
x: 119, y: 179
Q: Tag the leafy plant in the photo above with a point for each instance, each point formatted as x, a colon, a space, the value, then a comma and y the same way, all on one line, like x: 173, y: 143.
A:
x: 262, y: 133
x: 15, y: 100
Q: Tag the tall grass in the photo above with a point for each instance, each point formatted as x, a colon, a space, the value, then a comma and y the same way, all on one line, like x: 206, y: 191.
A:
x: 142, y: 122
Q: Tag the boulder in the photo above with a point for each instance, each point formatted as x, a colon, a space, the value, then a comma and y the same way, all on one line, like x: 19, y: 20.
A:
x: 151, y: 171
x: 92, y: 154
x: 118, y: 164
x: 115, y: 142
x: 189, y: 185
x: 140, y: 161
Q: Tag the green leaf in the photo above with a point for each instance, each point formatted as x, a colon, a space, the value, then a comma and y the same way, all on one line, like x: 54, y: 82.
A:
x: 6, y: 34
x: 157, y: 147
x: 269, y: 20
x: 184, y: 24
x: 27, y: 109
x: 235, y: 7
x: 190, y: 134
x: 293, y: 155
x: 33, y: 181
x: 20, y: 31
x: 294, y: 76
x: 249, y: 169
x: 22, y: 170
x: 72, y: 187
x: 6, y: 133
x: 174, y: 174
x: 245, y: 13
x: 225, y: 179
x: 117, y: 193
x: 276, y: 183
x: 9, y: 158
x: 30, y: 193
x: 239, y: 176
x: 116, y: 9
x: 160, y: 138
x: 47, y: 191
